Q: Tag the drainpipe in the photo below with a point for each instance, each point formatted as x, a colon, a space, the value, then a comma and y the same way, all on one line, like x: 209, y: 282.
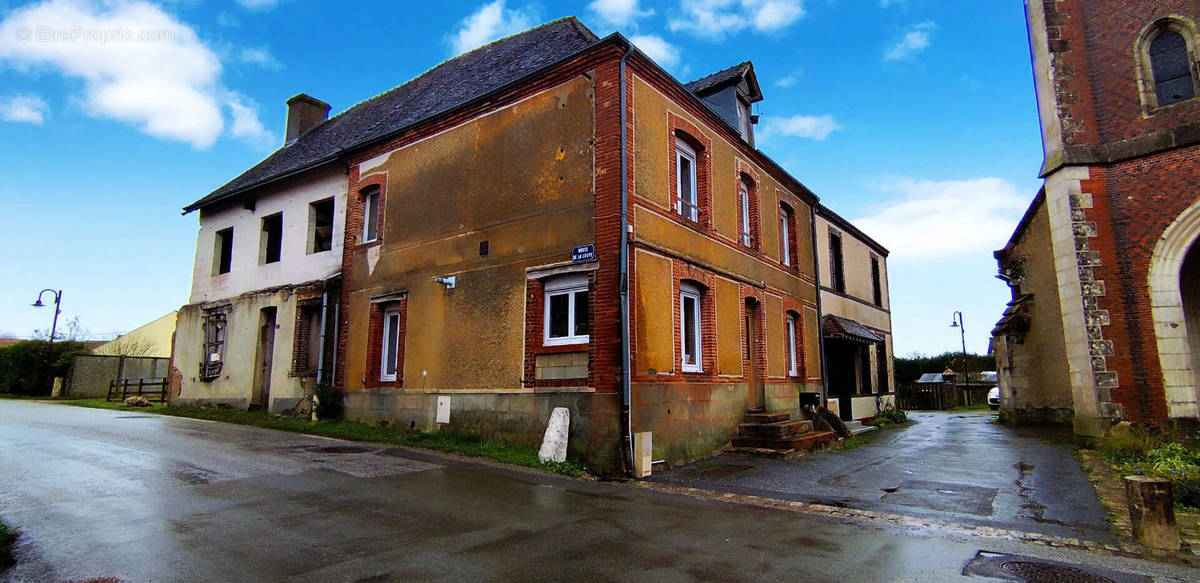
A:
x: 820, y: 312
x: 321, y: 348
x: 626, y: 384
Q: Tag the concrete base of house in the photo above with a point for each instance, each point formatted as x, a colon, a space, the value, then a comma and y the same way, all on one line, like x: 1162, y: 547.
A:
x: 514, y: 417
x: 693, y: 421
x: 228, y: 402
x: 1038, y: 416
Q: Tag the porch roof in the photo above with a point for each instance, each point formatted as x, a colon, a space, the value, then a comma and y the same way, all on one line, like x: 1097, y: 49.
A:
x: 847, y: 329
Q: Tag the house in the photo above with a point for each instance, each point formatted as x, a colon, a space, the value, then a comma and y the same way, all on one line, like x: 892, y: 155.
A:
x: 550, y: 220
x: 1104, y: 323
x: 856, y: 319
x: 259, y: 326
x: 150, y: 339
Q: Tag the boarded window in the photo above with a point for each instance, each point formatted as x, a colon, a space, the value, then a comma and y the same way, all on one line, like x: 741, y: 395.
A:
x: 1171, y: 68
x: 837, y: 270
x: 223, y: 251
x: 320, y: 219
x: 272, y: 238
x: 876, y: 282
x: 306, y: 345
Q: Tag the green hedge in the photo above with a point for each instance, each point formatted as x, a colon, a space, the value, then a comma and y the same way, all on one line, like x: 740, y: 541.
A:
x: 29, y: 367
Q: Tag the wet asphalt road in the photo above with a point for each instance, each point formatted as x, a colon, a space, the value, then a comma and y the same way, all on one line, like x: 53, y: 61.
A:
x: 960, y: 467
x: 147, y: 498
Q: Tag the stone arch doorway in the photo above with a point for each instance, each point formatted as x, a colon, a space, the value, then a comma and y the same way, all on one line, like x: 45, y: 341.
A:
x: 1174, y: 286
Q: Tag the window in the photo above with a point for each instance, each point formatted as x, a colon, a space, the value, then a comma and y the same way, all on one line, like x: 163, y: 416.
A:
x: 744, y: 199
x: 320, y: 226
x: 837, y: 271
x: 785, y: 234
x: 213, y: 323
x: 223, y: 251
x: 793, y: 365
x: 566, y: 311
x: 391, y: 344
x: 876, y: 281
x: 371, y: 214
x: 743, y: 111
x: 689, y: 327
x: 1171, y: 68
x: 272, y: 238
x: 685, y: 159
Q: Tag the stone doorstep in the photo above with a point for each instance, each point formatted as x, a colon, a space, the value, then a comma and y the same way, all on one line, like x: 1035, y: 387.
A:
x: 761, y: 417
x: 778, y: 454
x: 1122, y: 549
x: 803, y: 442
x: 777, y: 429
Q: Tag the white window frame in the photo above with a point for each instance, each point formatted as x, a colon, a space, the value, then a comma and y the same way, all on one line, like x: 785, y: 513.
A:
x: 568, y: 285
x: 785, y: 235
x: 688, y: 291
x: 684, y: 151
x: 370, y: 219
x: 390, y: 345
x: 744, y: 193
x: 793, y: 364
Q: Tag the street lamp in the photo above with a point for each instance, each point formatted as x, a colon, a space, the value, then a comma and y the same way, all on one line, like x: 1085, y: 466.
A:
x: 57, y: 308
x: 956, y: 321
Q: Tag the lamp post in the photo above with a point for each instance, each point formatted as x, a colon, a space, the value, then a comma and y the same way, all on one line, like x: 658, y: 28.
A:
x: 956, y: 321
x: 57, y: 308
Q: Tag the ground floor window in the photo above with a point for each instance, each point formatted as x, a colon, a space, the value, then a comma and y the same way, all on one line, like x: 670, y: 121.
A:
x: 391, y: 341
x: 689, y: 328
x: 567, y: 311
x: 790, y: 333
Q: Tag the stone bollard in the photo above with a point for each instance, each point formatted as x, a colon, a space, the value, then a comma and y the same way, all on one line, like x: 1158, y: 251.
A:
x: 56, y: 388
x: 1152, y: 511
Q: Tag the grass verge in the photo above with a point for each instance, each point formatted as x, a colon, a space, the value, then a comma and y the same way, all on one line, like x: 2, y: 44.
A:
x: 8, y: 538
x: 965, y: 408
x: 444, y: 441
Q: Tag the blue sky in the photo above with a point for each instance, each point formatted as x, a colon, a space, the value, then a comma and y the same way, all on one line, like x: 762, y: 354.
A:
x: 914, y: 118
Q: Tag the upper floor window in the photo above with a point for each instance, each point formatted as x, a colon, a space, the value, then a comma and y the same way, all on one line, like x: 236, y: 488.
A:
x: 272, y: 239
x: 370, y: 214
x: 876, y: 282
x: 837, y: 268
x: 689, y: 327
x: 567, y: 311
x: 685, y: 167
x: 223, y: 251
x: 1171, y: 68
x: 745, y: 205
x: 320, y: 226
x: 787, y: 235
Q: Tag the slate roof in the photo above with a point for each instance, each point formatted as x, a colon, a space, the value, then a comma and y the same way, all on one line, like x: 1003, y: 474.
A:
x: 442, y: 88
x: 726, y: 76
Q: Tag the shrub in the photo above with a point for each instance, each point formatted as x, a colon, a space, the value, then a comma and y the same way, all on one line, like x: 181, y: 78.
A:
x: 1141, y: 452
x: 29, y: 367
x: 7, y: 539
x: 330, y: 403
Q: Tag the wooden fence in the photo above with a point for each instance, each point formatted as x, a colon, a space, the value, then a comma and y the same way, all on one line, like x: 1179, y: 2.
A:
x: 154, y: 389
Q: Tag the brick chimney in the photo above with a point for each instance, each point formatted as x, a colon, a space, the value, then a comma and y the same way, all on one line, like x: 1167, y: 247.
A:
x: 304, y: 113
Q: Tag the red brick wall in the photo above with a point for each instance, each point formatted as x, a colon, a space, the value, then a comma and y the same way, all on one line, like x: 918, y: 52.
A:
x: 1133, y: 203
x: 535, y: 314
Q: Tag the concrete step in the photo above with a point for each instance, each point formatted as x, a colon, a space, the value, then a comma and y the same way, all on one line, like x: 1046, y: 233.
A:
x: 801, y: 442
x: 852, y: 425
x: 779, y: 454
x: 764, y: 417
x: 777, y: 429
x: 863, y: 429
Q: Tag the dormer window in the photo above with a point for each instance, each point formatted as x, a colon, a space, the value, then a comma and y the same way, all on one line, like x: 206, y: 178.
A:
x: 743, y: 109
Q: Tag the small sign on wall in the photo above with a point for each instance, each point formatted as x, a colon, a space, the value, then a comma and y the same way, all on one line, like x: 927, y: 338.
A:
x: 583, y: 254
x: 443, y: 409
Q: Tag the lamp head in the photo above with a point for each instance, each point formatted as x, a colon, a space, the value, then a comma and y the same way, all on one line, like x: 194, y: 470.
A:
x: 954, y: 323
x: 38, y: 303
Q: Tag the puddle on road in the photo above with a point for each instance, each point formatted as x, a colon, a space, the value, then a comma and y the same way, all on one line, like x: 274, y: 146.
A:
x: 942, y: 496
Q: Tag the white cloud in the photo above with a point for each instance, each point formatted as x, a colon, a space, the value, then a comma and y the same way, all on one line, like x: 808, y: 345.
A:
x: 790, y: 79
x: 138, y: 64
x: 246, y: 126
x: 813, y: 127
x: 658, y: 49
x: 619, y: 12
x: 260, y: 56
x: 915, y: 40
x: 258, y: 4
x: 488, y: 23
x: 928, y: 219
x: 24, y: 109
x: 716, y: 18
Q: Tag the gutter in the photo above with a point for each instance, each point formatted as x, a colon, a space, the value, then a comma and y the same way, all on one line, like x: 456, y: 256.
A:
x: 821, y: 312
x: 626, y: 374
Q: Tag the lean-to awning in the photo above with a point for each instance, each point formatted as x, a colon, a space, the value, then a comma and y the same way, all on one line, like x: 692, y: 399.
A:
x: 847, y: 329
